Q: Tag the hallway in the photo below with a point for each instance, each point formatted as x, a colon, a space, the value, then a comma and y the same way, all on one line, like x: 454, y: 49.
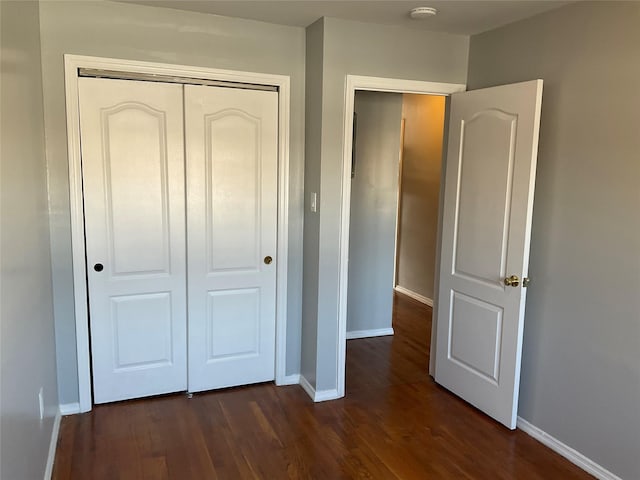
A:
x: 394, y: 423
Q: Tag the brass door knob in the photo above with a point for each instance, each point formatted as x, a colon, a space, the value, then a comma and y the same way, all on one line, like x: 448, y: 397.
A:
x: 512, y: 281
x: 268, y: 259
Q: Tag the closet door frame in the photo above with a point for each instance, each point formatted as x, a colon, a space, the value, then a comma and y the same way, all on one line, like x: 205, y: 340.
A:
x: 72, y: 64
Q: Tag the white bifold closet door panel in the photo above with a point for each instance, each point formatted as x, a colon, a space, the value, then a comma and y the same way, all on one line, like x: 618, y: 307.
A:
x: 134, y: 199
x: 232, y: 151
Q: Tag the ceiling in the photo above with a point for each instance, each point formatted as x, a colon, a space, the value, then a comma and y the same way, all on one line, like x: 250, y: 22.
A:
x: 466, y: 17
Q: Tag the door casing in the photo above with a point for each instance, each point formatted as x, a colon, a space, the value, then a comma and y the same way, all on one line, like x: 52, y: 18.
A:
x: 378, y: 84
x: 72, y: 63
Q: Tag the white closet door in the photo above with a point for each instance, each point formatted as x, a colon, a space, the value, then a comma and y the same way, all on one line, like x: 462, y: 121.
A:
x: 133, y: 173
x: 231, y: 228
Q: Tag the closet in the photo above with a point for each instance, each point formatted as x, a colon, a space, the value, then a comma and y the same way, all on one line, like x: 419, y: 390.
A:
x: 180, y: 205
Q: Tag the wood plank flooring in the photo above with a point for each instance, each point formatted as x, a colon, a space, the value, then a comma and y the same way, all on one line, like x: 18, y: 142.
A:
x: 394, y: 423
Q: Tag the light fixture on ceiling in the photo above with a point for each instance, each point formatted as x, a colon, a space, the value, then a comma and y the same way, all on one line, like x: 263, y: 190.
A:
x: 419, y: 13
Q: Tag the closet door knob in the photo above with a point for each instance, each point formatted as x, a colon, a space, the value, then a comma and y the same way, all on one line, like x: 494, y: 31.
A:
x: 98, y: 267
x: 268, y: 259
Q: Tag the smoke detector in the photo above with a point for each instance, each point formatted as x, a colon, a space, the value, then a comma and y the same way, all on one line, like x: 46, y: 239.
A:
x: 419, y: 13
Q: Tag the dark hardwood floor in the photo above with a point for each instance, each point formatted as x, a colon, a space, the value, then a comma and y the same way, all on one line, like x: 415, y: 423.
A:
x: 394, y: 423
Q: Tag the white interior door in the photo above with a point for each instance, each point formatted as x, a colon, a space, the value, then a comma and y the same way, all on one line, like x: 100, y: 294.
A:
x: 488, y: 202
x: 133, y: 175
x: 231, y: 137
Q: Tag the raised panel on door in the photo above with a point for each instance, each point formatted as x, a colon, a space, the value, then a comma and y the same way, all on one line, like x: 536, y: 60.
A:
x: 133, y: 176
x: 488, y: 200
x: 484, y: 195
x: 231, y: 224
x: 233, y: 183
x: 475, y: 336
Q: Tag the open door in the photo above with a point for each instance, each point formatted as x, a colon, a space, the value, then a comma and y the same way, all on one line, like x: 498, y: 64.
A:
x: 488, y: 204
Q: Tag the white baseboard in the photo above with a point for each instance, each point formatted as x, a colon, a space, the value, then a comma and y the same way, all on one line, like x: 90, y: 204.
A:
x: 374, y: 332
x: 53, y: 443
x: 320, y: 395
x: 566, y: 451
x: 325, y: 395
x: 290, y: 380
x: 69, y: 409
x: 414, y: 295
x: 304, y: 383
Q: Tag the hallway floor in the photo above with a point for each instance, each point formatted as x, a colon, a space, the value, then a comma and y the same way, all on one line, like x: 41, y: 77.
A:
x: 394, y: 423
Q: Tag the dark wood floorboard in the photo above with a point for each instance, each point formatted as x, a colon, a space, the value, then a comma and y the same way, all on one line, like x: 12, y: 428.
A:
x: 394, y: 423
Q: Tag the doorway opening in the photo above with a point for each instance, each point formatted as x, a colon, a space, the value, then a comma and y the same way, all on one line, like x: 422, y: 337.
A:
x: 359, y: 83
x: 395, y: 184
x: 485, y: 211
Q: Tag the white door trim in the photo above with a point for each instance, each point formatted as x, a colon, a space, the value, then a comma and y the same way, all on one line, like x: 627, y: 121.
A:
x: 71, y: 64
x: 398, y: 202
x: 353, y: 83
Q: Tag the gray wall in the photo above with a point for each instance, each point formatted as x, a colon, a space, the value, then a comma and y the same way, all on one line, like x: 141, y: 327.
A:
x: 168, y: 36
x: 581, y: 356
x: 359, y: 49
x: 27, y: 348
x: 418, y: 216
x: 313, y: 143
x: 374, y: 208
